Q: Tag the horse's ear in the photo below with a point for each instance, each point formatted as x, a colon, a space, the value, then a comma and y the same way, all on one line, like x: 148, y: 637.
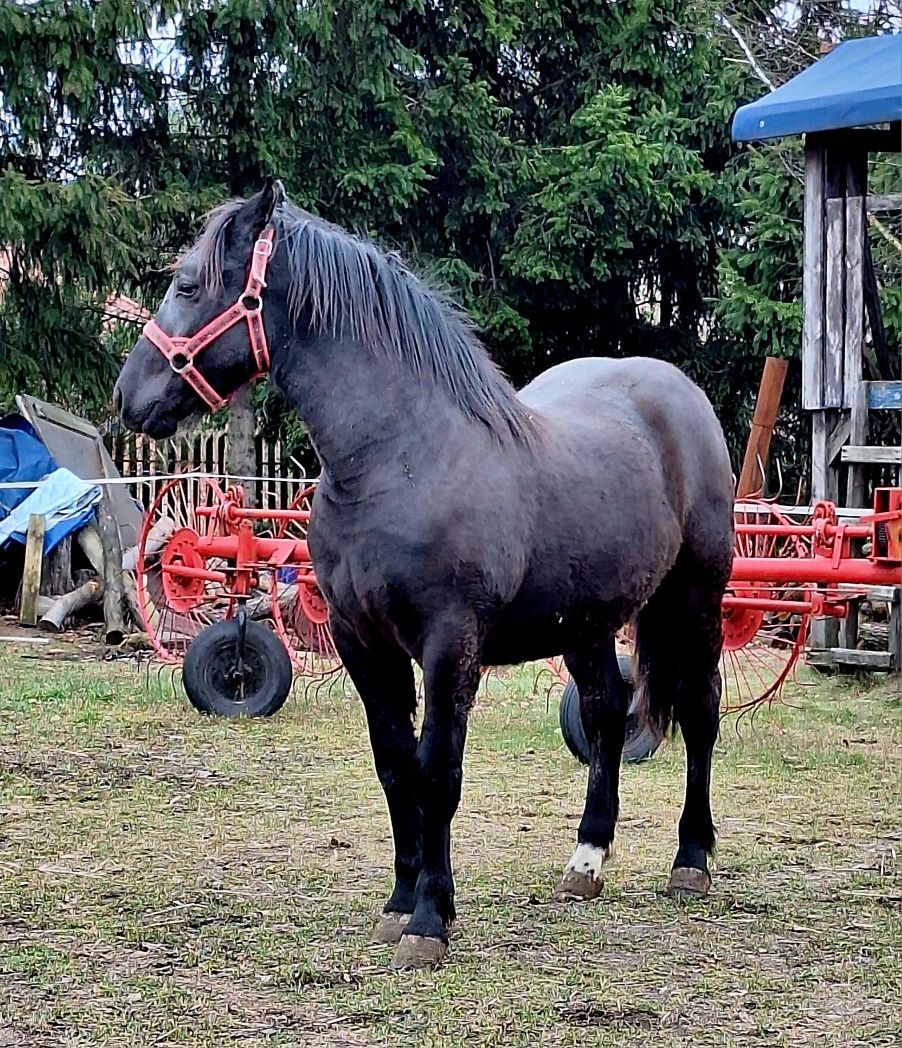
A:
x: 272, y: 195
x: 259, y: 209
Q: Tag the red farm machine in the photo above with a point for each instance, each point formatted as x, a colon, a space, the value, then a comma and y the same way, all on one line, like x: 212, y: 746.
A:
x: 229, y: 591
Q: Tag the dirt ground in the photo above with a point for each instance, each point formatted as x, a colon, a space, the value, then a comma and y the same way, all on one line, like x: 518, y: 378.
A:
x: 167, y: 879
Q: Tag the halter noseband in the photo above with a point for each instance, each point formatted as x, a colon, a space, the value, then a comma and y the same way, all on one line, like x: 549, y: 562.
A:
x: 182, y: 352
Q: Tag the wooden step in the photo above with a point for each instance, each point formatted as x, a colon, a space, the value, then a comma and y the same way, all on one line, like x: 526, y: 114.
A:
x: 866, y: 660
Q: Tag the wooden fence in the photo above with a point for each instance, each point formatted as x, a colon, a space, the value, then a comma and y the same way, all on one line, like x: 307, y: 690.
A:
x: 276, y: 473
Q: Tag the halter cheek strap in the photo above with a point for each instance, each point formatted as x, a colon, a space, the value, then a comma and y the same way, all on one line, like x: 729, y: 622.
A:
x: 182, y: 352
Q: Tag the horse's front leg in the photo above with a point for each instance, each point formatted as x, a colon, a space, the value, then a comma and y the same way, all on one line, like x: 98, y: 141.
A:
x: 384, y: 679
x: 603, y: 700
x: 451, y: 673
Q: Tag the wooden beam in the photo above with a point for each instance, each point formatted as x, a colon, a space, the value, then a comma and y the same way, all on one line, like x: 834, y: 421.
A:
x: 868, y: 140
x: 867, y: 660
x: 885, y: 396
x: 872, y: 456
x: 31, y: 573
x: 813, y: 281
x: 864, y: 660
x: 800, y: 514
x: 767, y: 406
x: 888, y: 593
x: 834, y: 327
x: 887, y: 202
x: 838, y: 437
x: 875, y: 312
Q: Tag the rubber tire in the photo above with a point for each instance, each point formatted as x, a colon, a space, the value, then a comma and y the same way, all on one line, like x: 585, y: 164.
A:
x: 641, y: 739
x: 212, y: 650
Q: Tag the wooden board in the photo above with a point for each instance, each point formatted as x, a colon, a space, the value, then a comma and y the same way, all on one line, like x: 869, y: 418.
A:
x: 853, y: 336
x: 895, y: 630
x: 813, y: 281
x: 885, y: 396
x: 872, y: 456
x: 834, y: 322
x: 31, y: 573
x: 888, y: 202
x: 888, y: 593
x: 865, y: 660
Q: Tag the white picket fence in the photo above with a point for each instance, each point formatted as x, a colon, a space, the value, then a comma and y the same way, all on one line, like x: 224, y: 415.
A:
x: 276, y: 473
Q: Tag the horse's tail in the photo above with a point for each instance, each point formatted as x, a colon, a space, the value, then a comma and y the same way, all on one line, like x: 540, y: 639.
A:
x: 654, y: 706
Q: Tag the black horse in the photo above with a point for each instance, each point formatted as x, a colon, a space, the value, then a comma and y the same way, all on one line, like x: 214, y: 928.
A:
x: 458, y: 524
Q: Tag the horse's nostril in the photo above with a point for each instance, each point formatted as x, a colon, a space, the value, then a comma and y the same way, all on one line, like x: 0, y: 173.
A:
x: 117, y: 400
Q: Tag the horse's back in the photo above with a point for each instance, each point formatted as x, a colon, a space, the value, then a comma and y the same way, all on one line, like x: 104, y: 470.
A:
x: 652, y: 417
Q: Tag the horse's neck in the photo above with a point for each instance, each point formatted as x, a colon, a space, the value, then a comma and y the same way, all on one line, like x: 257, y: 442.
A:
x: 363, y: 409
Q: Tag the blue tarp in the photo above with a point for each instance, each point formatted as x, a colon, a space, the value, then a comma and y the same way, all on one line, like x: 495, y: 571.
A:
x: 22, y: 457
x: 858, y: 83
x: 63, y: 499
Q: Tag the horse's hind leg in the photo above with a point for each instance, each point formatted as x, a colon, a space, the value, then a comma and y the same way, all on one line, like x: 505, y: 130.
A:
x: 603, y: 701
x: 384, y: 680
x: 680, y: 636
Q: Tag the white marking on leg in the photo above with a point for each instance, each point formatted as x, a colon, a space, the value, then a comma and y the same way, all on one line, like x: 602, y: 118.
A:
x: 589, y: 860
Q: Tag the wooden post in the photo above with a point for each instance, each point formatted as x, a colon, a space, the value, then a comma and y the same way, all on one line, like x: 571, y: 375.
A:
x: 113, y: 617
x: 823, y: 476
x: 31, y: 574
x: 824, y: 631
x: 241, y: 437
x: 895, y: 630
x: 813, y: 278
x: 854, y: 389
x: 752, y: 478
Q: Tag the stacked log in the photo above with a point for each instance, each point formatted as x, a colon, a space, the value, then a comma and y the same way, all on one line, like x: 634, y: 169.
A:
x: 51, y: 595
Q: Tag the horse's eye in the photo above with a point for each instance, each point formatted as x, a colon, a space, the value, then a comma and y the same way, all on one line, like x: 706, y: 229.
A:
x: 186, y: 288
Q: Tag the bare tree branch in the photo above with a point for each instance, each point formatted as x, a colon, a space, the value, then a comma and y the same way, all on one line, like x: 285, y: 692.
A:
x: 746, y: 50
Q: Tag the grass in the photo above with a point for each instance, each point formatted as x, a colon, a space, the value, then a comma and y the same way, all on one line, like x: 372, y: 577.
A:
x: 172, y: 880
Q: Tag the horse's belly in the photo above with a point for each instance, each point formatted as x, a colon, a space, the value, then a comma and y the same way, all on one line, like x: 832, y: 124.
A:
x: 523, y: 634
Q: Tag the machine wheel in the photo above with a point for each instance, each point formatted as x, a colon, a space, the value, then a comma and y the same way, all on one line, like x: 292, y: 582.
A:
x: 642, y: 740
x: 215, y: 683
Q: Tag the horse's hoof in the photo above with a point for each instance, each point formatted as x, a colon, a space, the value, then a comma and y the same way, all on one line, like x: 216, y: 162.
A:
x: 419, y: 951
x: 390, y: 928
x: 688, y: 883
x: 576, y: 886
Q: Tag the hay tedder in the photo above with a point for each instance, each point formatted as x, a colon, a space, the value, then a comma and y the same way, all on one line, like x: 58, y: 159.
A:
x: 229, y: 591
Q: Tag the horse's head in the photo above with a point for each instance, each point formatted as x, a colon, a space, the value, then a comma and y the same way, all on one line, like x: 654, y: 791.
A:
x: 207, y: 338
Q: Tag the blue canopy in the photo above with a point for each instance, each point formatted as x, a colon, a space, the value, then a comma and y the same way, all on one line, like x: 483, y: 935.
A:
x: 859, y: 82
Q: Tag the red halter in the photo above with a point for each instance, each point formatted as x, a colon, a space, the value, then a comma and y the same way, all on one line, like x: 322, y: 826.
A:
x: 182, y: 352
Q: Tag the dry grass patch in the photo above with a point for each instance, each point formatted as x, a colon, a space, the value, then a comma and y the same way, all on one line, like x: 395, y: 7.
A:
x: 172, y: 880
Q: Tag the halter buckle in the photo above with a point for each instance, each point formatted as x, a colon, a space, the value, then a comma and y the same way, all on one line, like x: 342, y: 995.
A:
x: 180, y: 362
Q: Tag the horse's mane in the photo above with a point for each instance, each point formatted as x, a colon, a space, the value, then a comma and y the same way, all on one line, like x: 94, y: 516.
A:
x: 350, y: 288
